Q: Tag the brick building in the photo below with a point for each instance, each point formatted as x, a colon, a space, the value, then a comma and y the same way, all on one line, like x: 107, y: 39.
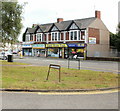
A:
x: 87, y: 37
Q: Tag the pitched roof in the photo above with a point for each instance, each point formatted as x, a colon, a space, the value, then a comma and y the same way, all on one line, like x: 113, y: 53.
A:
x: 81, y: 23
x: 64, y: 25
x: 31, y: 30
x: 46, y: 27
x: 84, y: 23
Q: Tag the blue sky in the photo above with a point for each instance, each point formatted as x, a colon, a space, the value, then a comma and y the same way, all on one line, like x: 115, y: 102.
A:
x: 47, y: 11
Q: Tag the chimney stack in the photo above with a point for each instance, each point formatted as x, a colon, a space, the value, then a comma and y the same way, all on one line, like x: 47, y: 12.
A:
x: 98, y: 14
x: 34, y: 25
x: 59, y: 20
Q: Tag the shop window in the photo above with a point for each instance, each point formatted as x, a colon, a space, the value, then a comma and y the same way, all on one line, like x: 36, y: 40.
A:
x: 53, y: 52
x: 76, y: 52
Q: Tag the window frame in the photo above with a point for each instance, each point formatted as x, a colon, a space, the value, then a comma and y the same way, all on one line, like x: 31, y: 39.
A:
x: 73, y: 33
x: 55, y: 36
x: 27, y: 37
x: 40, y: 39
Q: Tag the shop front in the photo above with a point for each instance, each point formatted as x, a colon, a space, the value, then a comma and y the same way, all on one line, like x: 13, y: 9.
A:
x: 56, y: 50
x: 77, y: 50
x: 39, y: 50
x: 27, y: 50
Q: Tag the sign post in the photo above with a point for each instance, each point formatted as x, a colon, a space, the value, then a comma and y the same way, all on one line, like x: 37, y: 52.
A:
x: 54, y: 67
x: 70, y: 59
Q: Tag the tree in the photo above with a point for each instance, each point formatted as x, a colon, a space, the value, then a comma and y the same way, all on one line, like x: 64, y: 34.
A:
x: 11, y: 14
x: 112, y: 39
x: 117, y: 42
x: 115, y: 39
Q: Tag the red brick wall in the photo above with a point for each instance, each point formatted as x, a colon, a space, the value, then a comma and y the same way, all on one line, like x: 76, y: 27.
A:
x: 49, y: 37
x: 93, y: 32
x: 67, y: 35
x: 45, y: 37
x: 34, y: 38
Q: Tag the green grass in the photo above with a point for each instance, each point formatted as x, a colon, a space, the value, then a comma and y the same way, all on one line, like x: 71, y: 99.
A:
x: 34, y: 77
x: 4, y: 62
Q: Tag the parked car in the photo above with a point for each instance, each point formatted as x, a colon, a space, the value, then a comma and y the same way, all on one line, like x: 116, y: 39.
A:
x: 4, y: 55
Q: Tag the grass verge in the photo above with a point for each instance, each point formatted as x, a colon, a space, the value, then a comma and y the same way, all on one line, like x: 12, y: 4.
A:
x: 4, y: 62
x: 34, y: 77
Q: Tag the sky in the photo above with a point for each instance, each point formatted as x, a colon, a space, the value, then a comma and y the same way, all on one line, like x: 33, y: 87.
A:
x: 47, y: 11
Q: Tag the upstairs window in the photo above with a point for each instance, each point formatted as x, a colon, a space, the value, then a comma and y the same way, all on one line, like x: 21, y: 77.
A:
x: 71, y: 36
x: 74, y: 35
x: 27, y: 38
x: 82, y: 35
x: 55, y: 36
x: 39, y: 37
x: 31, y: 37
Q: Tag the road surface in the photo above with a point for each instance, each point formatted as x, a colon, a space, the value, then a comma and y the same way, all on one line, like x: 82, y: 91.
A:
x: 107, y: 66
x: 17, y: 100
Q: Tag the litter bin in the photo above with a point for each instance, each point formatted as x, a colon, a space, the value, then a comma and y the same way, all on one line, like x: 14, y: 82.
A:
x: 10, y: 58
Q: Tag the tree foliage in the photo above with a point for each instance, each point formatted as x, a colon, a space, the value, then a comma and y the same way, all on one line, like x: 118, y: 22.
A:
x: 115, y: 39
x: 11, y: 13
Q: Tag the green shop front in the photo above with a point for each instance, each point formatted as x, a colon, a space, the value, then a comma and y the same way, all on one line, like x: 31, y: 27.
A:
x: 39, y: 50
x: 56, y: 50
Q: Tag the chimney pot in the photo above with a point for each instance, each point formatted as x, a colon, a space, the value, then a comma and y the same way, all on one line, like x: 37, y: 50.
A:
x: 59, y: 20
x: 98, y: 14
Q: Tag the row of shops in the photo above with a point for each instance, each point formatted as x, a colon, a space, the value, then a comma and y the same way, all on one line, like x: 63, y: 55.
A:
x: 71, y: 50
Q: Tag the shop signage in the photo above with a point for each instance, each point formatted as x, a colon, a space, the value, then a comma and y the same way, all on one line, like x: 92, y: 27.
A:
x: 76, y: 45
x: 31, y: 42
x: 26, y: 46
x: 56, y: 45
x: 92, y: 40
x: 38, y: 46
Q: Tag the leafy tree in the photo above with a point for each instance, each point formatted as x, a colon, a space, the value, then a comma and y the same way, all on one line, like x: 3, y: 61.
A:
x: 115, y: 39
x: 117, y: 42
x: 11, y: 14
x: 112, y: 39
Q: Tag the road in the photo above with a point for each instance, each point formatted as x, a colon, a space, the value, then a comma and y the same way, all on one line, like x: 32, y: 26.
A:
x: 107, y: 66
x: 17, y: 100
